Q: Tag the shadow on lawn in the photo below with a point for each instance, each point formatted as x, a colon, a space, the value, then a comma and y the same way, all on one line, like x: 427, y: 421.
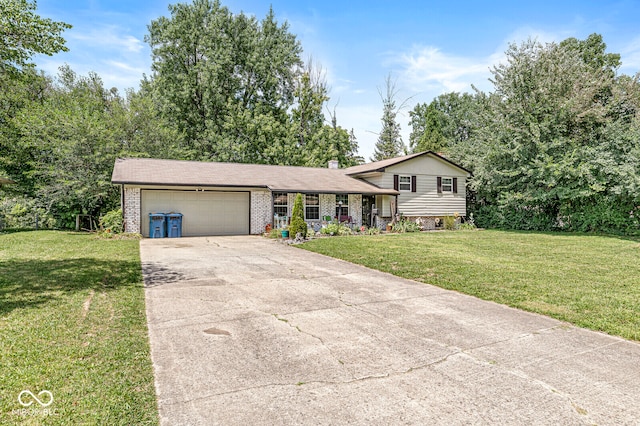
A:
x: 29, y: 283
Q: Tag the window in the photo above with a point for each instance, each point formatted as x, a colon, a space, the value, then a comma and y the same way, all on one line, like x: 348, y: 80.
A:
x: 312, y: 207
x: 280, y: 204
x: 447, y: 184
x: 342, y: 209
x: 404, y: 183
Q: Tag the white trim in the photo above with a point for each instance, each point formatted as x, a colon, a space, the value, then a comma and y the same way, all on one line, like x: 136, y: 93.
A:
x: 400, y: 183
x: 450, y: 185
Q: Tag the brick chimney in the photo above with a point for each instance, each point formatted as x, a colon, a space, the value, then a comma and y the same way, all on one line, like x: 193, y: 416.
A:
x: 333, y: 164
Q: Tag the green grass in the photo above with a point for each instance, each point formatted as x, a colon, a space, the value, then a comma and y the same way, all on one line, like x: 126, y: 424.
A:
x: 591, y: 281
x: 72, y: 321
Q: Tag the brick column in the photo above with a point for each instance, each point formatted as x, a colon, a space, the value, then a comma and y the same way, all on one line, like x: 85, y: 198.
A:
x: 132, y: 210
x: 261, y: 211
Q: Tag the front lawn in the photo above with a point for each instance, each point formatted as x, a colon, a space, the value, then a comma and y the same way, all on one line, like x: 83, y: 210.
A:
x: 591, y: 281
x: 72, y: 322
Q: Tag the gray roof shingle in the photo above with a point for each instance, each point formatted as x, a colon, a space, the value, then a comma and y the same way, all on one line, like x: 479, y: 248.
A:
x: 379, y: 166
x: 149, y: 171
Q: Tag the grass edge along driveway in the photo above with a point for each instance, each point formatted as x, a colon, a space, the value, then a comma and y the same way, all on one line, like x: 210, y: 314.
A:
x: 588, y: 280
x: 73, y: 323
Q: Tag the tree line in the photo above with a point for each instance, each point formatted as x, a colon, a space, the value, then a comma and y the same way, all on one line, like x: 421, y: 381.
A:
x: 553, y: 146
x: 223, y: 87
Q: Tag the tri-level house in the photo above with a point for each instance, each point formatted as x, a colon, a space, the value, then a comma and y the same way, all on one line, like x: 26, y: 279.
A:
x: 235, y: 199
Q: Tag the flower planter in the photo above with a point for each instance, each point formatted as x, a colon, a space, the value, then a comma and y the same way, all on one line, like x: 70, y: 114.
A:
x: 285, y: 233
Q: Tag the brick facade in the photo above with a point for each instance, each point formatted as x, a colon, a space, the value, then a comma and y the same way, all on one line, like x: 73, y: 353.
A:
x: 291, y: 199
x: 355, y: 208
x: 131, y: 211
x: 327, y: 205
x: 261, y: 211
x: 428, y: 223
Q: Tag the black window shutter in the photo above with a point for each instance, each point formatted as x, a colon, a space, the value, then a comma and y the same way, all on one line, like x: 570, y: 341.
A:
x: 455, y: 185
x: 395, y: 182
x: 413, y: 184
x: 439, y: 185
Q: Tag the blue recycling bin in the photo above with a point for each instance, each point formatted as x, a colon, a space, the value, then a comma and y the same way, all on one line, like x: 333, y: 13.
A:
x: 174, y: 225
x: 157, y: 227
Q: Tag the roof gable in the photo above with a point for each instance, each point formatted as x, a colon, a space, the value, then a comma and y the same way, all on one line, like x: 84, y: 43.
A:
x: 381, y: 166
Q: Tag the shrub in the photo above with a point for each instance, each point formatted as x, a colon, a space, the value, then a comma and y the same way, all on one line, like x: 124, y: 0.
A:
x: 20, y: 213
x: 601, y: 215
x: 335, y: 228
x: 449, y: 223
x: 298, y: 225
x: 274, y: 233
x: 111, y: 222
x: 404, y: 225
x: 605, y: 214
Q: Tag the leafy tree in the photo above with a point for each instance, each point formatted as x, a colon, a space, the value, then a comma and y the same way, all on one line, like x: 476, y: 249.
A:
x: 21, y: 93
x: 592, y: 51
x: 389, y: 142
x: 225, y: 81
x: 314, y: 141
x: 559, y: 140
x: 23, y: 34
x: 307, y: 116
x: 145, y: 133
x: 72, y: 144
x: 427, y: 128
x: 298, y: 225
x: 332, y: 142
x: 447, y: 123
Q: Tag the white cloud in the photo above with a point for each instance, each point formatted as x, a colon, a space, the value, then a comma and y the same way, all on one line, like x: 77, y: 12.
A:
x: 110, y: 37
x: 126, y: 68
x: 630, y: 56
x: 119, y: 58
x: 427, y: 68
x: 430, y: 69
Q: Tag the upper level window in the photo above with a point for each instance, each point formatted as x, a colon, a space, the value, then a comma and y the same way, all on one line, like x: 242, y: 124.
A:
x: 404, y: 183
x: 312, y: 207
x: 447, y: 184
x: 280, y: 204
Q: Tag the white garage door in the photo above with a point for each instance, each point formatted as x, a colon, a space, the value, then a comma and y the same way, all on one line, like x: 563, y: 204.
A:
x: 204, y: 213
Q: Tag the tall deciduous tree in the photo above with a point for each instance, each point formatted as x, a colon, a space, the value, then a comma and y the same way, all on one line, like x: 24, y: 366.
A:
x: 23, y: 34
x: 389, y: 142
x: 448, y: 124
x: 226, y: 81
x: 314, y: 141
x: 427, y: 129
x: 560, y: 145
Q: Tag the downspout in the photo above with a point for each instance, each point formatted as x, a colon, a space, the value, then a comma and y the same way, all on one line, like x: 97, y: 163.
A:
x: 124, y: 225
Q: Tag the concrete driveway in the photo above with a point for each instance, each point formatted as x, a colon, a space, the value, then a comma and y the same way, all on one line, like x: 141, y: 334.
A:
x: 249, y: 331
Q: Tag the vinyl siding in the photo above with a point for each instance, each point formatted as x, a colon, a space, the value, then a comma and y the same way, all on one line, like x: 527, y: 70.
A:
x: 425, y: 201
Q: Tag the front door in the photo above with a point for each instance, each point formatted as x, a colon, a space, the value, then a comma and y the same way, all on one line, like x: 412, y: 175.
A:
x: 368, y: 202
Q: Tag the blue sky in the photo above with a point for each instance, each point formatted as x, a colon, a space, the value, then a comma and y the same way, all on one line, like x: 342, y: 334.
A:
x: 429, y: 47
